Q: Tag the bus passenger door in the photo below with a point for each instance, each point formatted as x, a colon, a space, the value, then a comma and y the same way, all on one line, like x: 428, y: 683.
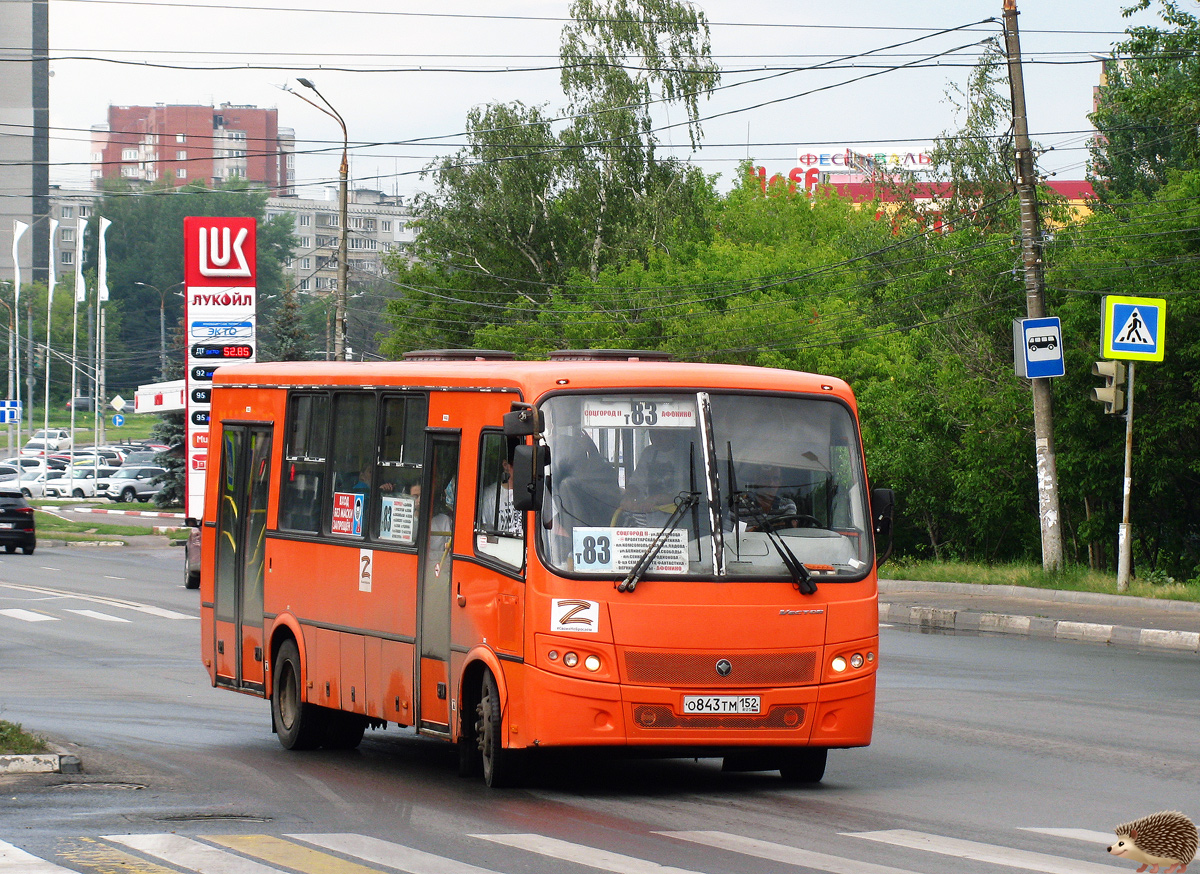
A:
x: 432, y: 683
x: 241, y: 546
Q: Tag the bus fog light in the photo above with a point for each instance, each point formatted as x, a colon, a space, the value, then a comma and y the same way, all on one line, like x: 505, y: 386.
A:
x: 838, y: 664
x: 592, y: 663
x: 552, y: 655
x: 856, y: 660
x: 870, y: 656
x: 570, y: 660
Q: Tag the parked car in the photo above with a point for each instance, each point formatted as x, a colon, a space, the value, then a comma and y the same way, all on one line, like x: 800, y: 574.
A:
x: 141, y: 456
x: 79, y: 482
x: 17, y: 527
x: 39, y: 448
x: 107, y: 456
x: 56, y: 439
x: 24, y: 462
x: 191, y: 560
x: 130, y: 483
x: 9, y: 473
x: 33, y: 483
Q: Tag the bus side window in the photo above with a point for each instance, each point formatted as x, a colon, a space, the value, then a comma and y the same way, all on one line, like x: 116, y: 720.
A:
x: 499, y: 527
x: 355, y: 486
x: 401, y: 455
x: 307, y: 438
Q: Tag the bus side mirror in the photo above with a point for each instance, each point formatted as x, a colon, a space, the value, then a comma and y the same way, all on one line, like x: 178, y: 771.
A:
x: 529, y: 475
x: 523, y: 421
x: 883, y: 509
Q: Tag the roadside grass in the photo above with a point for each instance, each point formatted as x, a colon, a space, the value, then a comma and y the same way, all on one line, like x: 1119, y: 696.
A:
x: 1073, y: 579
x: 61, y: 528
x: 15, y: 741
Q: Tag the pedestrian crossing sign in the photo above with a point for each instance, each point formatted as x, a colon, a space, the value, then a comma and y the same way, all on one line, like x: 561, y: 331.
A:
x: 1134, y: 328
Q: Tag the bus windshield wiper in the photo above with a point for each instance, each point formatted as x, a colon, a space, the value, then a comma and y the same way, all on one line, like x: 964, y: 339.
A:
x: 801, y: 578
x: 684, y: 501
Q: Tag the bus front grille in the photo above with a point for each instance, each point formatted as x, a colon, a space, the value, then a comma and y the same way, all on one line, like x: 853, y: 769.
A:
x: 655, y: 668
x: 789, y: 716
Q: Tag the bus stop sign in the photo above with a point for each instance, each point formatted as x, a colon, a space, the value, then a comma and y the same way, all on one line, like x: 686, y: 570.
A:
x: 1038, y: 348
x: 1133, y: 328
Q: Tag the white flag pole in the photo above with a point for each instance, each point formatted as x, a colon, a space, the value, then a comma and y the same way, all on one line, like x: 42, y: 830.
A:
x: 19, y: 229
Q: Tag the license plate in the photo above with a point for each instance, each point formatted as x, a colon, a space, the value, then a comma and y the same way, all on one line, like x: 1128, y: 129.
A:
x: 6, y: 524
x: 722, y: 704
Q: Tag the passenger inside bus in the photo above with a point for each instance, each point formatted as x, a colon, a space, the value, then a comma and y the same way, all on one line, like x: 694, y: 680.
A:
x: 662, y: 473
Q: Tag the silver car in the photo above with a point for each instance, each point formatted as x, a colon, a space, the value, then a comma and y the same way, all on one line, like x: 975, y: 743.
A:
x: 137, y: 483
x: 78, y: 484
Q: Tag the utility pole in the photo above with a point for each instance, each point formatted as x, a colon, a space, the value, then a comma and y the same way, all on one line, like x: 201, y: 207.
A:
x: 1035, y: 298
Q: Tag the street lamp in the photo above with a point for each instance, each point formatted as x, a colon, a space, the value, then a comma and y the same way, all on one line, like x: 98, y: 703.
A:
x: 339, y: 317
x: 162, y: 324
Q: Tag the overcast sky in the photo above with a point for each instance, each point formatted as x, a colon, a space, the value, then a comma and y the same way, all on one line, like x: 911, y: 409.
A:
x: 404, y: 77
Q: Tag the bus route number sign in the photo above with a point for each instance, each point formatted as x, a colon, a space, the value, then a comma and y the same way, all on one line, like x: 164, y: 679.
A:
x: 645, y: 412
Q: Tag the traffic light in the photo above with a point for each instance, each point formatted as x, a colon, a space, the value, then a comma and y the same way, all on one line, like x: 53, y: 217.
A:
x: 1113, y: 393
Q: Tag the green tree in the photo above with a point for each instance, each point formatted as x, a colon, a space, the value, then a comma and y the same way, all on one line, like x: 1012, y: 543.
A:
x: 1149, y: 105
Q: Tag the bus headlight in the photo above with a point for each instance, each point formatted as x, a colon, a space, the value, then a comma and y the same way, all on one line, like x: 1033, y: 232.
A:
x: 856, y: 660
x: 570, y: 660
x: 838, y: 664
x: 592, y: 663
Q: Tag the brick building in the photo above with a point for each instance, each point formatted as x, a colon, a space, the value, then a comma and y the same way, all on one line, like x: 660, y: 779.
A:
x: 186, y: 143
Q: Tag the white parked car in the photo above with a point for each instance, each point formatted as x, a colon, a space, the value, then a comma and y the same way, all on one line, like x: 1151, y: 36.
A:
x: 56, y: 439
x: 33, y: 484
x: 80, y: 484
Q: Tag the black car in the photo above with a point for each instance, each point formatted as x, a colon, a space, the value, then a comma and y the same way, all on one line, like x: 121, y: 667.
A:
x: 16, y: 522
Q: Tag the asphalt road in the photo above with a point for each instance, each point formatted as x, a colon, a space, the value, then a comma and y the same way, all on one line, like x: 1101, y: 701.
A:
x: 991, y: 753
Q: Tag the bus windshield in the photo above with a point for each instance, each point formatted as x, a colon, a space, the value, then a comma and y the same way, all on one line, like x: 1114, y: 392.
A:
x: 758, y: 481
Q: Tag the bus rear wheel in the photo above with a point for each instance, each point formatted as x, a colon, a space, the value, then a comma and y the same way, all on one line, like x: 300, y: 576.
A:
x: 298, y: 724
x: 500, y: 766
x: 804, y: 766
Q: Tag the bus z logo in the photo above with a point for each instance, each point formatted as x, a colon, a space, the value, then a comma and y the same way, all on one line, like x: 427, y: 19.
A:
x: 577, y: 616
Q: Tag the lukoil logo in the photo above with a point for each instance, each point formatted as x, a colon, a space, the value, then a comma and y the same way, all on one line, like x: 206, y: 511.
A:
x: 216, y: 251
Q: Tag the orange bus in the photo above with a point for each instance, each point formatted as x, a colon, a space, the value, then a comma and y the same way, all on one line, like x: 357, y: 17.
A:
x: 606, y: 549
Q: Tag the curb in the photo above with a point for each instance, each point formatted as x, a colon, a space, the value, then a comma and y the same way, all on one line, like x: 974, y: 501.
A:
x: 41, y: 763
x: 1030, y: 626
x: 149, y: 513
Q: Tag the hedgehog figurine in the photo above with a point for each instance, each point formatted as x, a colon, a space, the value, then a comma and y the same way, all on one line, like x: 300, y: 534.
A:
x: 1167, y: 838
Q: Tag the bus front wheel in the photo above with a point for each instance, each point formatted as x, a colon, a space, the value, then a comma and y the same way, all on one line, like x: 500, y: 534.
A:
x: 298, y: 724
x: 500, y: 766
x: 804, y: 765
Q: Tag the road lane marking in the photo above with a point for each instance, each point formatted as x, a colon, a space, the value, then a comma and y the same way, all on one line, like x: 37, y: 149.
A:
x: 17, y: 861
x: 186, y: 853
x: 93, y: 614
x: 88, y: 854
x: 980, y: 852
x: 785, y: 853
x: 391, y: 855
x: 1079, y: 834
x: 100, y: 599
x: 27, y: 615
x: 582, y: 855
x: 286, y: 854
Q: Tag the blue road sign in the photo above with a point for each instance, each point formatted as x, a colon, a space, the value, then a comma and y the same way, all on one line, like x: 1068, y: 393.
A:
x: 1038, y: 348
x: 10, y: 412
x: 1134, y: 328
x: 118, y: 420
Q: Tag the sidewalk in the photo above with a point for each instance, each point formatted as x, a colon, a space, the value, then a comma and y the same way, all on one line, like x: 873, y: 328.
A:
x: 1116, y: 620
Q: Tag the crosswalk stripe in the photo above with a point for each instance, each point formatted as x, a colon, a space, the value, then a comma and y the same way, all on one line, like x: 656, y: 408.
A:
x: 392, y: 855
x: 186, y: 853
x: 964, y: 849
x: 785, y: 853
x: 14, y: 860
x: 89, y: 854
x: 93, y: 614
x: 578, y: 853
x: 28, y: 615
x: 287, y: 854
x: 1079, y: 834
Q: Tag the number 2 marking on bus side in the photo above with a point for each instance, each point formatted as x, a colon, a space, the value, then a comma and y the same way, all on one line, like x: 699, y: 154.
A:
x: 364, y: 570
